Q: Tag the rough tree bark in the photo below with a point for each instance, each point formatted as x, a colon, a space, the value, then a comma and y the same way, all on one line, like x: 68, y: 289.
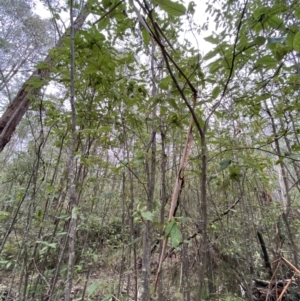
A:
x: 20, y: 104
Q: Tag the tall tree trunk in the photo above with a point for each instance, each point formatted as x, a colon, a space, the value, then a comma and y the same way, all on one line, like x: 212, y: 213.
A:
x: 288, y: 202
x: 163, y: 198
x: 72, y: 161
x: 147, y: 237
x: 20, y: 104
x: 203, y: 198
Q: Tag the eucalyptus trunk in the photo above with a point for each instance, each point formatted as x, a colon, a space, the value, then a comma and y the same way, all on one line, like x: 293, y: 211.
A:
x: 20, y: 104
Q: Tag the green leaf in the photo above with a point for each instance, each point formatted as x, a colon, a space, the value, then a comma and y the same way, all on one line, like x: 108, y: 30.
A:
x: 147, y: 215
x: 104, y: 129
x: 104, y: 22
x: 216, y: 91
x: 165, y: 82
x: 275, y: 22
x: 92, y: 288
x: 225, y: 163
x: 35, y: 82
x: 169, y: 227
x: 172, y: 103
x: 215, y: 66
x: 211, y: 40
x: 211, y: 54
x: 146, y: 36
x: 175, y: 235
x: 296, y: 42
x: 172, y: 8
x: 266, y: 60
x: 260, y: 40
x: 42, y: 65
x: 281, y: 52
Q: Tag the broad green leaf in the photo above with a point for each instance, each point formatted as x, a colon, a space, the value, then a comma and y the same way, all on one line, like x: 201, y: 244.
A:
x: 146, y: 36
x: 297, y: 13
x: 42, y: 65
x: 216, y: 91
x: 281, y: 52
x: 296, y: 42
x: 169, y: 227
x: 290, y: 39
x: 147, y: 215
x: 215, y: 66
x: 172, y: 103
x: 130, y: 101
x: 277, y: 8
x: 165, y: 82
x: 93, y: 287
x: 225, y: 163
x: 104, y: 22
x: 175, y: 235
x: 211, y: 40
x: 35, y: 82
x: 106, y: 3
x: 211, y: 54
x: 171, y: 7
x: 266, y: 60
x: 275, y: 22
x: 260, y: 40
x: 104, y: 129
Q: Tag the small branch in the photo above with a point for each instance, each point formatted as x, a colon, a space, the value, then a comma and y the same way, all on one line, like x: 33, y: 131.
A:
x: 234, y: 55
x: 234, y: 48
x: 107, y: 13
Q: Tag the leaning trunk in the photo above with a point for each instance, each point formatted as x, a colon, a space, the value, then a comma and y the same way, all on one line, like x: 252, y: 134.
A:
x: 18, y: 107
